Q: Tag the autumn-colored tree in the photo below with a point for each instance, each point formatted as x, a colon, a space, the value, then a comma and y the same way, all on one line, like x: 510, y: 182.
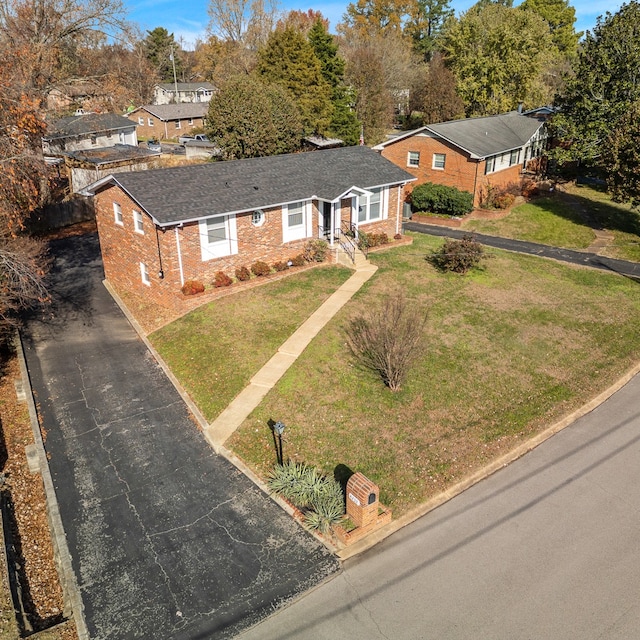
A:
x: 561, y: 17
x: 288, y: 59
x: 499, y: 56
x: 248, y: 118
x: 365, y: 18
x: 302, y: 21
x: 437, y: 99
x: 43, y: 35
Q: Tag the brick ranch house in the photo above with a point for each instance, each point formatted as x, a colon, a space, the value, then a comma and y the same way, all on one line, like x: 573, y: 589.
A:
x: 473, y: 155
x: 161, y: 228
x: 169, y: 121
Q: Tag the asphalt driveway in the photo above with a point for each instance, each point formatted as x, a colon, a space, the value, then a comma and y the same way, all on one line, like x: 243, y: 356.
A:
x: 168, y: 540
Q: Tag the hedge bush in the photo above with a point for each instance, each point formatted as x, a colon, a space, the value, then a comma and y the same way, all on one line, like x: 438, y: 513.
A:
x: 298, y: 261
x: 315, y: 251
x: 281, y: 265
x: 437, y: 198
x: 458, y: 255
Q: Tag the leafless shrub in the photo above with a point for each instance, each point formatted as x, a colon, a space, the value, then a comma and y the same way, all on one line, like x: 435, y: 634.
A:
x: 386, y: 339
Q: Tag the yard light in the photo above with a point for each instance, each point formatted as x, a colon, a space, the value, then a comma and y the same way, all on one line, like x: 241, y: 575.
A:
x: 278, y: 430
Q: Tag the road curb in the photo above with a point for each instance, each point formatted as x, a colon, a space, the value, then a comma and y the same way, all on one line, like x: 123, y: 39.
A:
x: 68, y: 580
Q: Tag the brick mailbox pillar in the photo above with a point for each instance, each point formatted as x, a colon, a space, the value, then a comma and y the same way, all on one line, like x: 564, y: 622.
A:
x: 362, y: 500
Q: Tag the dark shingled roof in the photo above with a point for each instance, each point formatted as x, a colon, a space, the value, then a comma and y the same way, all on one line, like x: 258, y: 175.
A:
x: 86, y: 124
x: 181, y: 194
x: 177, y: 111
x: 107, y: 155
x: 482, y: 137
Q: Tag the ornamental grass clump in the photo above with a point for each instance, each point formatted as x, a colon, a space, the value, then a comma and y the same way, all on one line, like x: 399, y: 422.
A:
x: 318, y: 497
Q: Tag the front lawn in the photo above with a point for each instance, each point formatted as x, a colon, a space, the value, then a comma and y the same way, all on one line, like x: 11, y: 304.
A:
x: 546, y: 220
x: 509, y: 349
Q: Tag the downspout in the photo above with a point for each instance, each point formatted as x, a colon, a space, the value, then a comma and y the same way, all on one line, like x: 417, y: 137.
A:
x: 179, y: 255
x: 398, y: 210
x: 160, y: 270
x: 475, y: 184
x: 166, y: 132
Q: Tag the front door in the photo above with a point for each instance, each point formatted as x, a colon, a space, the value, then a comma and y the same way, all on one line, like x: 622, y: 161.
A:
x: 325, y: 220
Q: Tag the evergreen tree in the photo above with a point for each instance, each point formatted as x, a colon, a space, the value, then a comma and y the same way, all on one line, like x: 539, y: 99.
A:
x: 428, y: 18
x: 289, y: 59
x: 561, y: 17
x: 159, y: 45
x: 344, y: 122
x: 248, y: 118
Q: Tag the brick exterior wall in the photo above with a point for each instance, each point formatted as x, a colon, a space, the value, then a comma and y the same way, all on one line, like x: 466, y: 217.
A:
x: 162, y: 130
x: 460, y: 170
x: 123, y: 249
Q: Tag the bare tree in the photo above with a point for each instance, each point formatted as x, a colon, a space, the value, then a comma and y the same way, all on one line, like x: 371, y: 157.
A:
x: 386, y: 338
x: 249, y: 22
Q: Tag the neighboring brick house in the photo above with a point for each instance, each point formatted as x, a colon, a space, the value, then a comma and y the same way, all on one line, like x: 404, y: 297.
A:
x: 88, y: 131
x: 169, y: 121
x: 161, y: 228
x: 187, y: 92
x: 474, y: 155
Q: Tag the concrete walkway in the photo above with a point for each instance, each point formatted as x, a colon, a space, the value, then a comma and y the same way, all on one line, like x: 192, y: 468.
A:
x: 250, y: 397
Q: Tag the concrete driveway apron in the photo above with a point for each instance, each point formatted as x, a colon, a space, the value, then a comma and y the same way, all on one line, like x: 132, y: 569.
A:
x: 168, y: 540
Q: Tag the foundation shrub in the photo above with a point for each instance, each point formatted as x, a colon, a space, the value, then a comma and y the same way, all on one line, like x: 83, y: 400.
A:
x: 243, y: 274
x: 282, y: 265
x: 315, y: 251
x: 260, y: 268
x: 191, y: 287
x: 438, y: 198
x: 298, y: 261
x: 221, y: 279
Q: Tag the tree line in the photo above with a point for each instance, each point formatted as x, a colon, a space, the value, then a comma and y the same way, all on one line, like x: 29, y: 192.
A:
x: 283, y: 77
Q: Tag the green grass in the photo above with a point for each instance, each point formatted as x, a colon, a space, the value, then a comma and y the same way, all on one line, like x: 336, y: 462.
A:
x: 216, y: 349
x: 545, y: 220
x: 509, y: 349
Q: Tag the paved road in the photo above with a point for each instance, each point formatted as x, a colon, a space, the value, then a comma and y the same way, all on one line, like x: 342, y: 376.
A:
x: 630, y: 269
x: 547, y: 548
x: 168, y: 540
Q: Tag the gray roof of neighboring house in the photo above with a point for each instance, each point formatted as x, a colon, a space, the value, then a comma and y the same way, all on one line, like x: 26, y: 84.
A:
x: 187, y: 193
x: 187, y: 86
x: 87, y: 124
x: 481, y: 137
x: 108, y: 155
x: 176, y: 111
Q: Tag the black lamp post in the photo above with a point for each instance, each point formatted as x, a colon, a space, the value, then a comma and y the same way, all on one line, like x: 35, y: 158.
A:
x: 278, y: 430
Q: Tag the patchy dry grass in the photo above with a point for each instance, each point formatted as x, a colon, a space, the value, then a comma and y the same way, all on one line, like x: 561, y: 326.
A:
x: 509, y: 349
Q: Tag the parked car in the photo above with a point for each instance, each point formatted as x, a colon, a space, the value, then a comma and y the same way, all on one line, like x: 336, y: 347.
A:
x: 154, y: 145
x: 200, y: 137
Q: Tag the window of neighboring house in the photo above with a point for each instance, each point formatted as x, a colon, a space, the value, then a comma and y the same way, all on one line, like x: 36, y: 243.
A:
x: 371, y: 207
x: 150, y: 122
x: 138, y: 222
x: 178, y: 124
x: 439, y: 160
x: 257, y: 218
x: 514, y: 158
x: 490, y: 165
x: 218, y: 237
x: 141, y: 121
x: 144, y: 274
x: 117, y: 214
x: 413, y: 159
x: 295, y: 221
x: 191, y: 122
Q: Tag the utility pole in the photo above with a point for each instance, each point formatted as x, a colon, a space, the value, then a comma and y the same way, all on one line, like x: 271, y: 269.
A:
x: 175, y: 80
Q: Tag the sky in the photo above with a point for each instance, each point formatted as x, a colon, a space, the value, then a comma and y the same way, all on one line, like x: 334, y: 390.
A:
x: 188, y: 20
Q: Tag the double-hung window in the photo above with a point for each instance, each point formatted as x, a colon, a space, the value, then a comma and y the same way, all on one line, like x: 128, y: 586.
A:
x: 295, y: 221
x: 117, y: 214
x: 439, y: 160
x: 150, y: 122
x: 490, y: 165
x: 218, y: 237
x: 144, y: 274
x: 178, y: 125
x: 138, y: 222
x: 413, y: 159
x: 141, y: 121
x: 371, y: 207
x: 514, y: 158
